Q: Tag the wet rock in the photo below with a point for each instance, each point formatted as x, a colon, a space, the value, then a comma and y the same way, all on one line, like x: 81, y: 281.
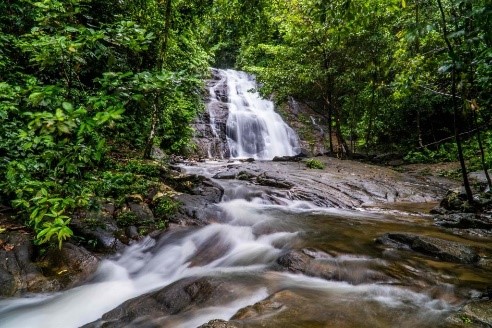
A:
x: 132, y: 232
x: 217, y: 323
x: 438, y: 210
x: 442, y: 249
x: 299, y: 262
x: 101, y: 238
x: 211, y: 134
x: 197, y: 206
x: 269, y: 306
x: 245, y: 175
x: 142, y: 212
x: 464, y: 221
x: 225, y: 175
x: 295, y: 158
x: 99, y: 228
x: 453, y: 201
x: 18, y: 274
x: 270, y: 181
x: 70, y: 266
x: 176, y: 298
x: 474, y: 314
x: 319, y: 264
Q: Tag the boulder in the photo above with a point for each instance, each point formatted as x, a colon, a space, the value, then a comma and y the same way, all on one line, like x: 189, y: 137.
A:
x: 18, y: 274
x: 197, y: 203
x: 294, y: 158
x: 442, y: 249
x: 464, y: 221
x: 176, y: 298
x: 70, y: 265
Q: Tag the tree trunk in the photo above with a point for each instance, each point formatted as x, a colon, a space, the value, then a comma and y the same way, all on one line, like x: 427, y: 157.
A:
x: 482, y: 152
x: 330, y: 128
x: 419, y: 130
x: 155, y: 117
x: 466, y: 183
x: 153, y: 130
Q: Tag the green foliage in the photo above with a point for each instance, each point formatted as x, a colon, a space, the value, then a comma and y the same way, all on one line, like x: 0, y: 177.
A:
x: 377, y: 70
x: 79, y: 78
x: 315, y: 164
x: 166, y: 206
x: 466, y: 320
x: 126, y: 219
x: 445, y: 153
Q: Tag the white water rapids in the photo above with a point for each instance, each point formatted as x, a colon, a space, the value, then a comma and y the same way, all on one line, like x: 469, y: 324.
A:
x: 247, y: 239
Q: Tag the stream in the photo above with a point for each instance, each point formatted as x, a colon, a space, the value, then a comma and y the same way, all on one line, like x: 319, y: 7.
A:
x: 369, y: 285
x: 285, y: 247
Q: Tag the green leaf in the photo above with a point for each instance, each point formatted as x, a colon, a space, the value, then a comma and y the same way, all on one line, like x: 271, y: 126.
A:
x: 67, y: 106
x: 36, y: 97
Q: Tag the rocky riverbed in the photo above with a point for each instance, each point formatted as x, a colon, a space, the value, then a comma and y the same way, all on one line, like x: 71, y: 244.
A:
x: 325, y: 246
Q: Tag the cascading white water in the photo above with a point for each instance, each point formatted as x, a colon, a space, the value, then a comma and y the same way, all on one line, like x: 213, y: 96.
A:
x: 254, y: 129
x: 250, y: 237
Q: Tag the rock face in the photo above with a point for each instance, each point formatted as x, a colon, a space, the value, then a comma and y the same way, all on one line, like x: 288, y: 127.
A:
x: 442, y: 249
x: 210, y: 126
x: 309, y: 125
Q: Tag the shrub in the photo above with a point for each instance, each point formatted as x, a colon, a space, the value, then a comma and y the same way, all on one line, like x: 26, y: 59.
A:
x: 315, y: 164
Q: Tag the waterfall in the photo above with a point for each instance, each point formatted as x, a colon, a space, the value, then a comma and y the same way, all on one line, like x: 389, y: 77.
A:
x: 253, y: 128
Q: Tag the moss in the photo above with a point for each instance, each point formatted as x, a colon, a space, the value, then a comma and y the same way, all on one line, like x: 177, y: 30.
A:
x: 166, y: 206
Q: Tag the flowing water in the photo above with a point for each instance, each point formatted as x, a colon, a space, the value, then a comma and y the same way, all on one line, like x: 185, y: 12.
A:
x: 371, y: 287
x: 253, y: 128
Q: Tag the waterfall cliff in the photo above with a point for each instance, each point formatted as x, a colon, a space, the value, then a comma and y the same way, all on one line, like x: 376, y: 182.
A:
x: 239, y: 123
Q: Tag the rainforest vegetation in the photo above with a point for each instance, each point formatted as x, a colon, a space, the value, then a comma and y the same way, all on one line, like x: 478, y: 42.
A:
x: 87, y: 84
